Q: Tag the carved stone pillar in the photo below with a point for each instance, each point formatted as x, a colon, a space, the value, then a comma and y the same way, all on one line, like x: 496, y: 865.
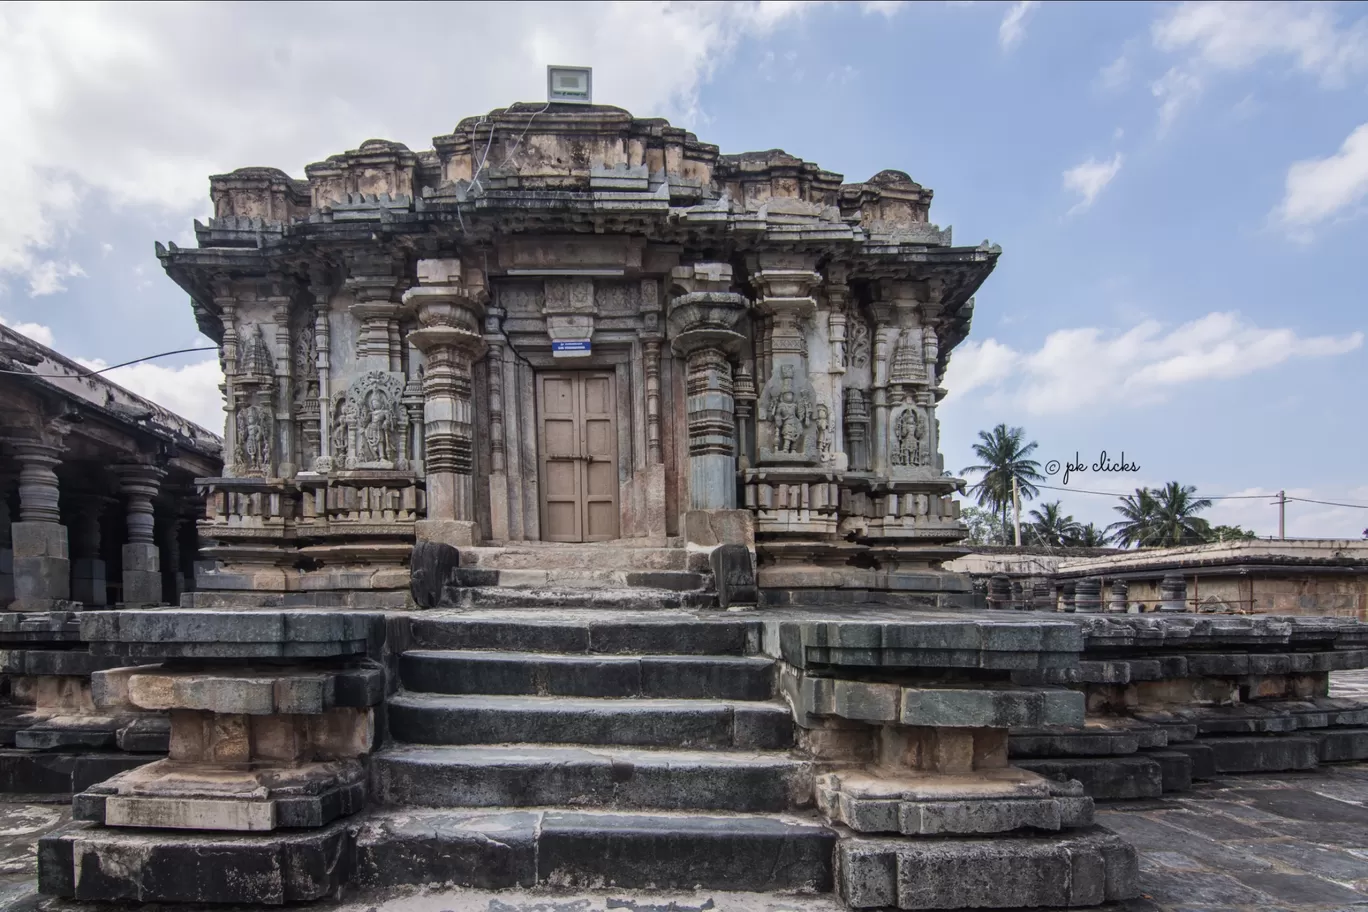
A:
x: 1120, y: 589
x: 321, y: 287
x: 87, y: 567
x: 6, y: 543
x: 227, y: 305
x: 702, y: 316
x: 372, y: 281
x: 142, y: 582
x: 450, y: 314
x: 857, y: 429
x: 168, y: 530
x: 42, y: 566
x: 650, y: 356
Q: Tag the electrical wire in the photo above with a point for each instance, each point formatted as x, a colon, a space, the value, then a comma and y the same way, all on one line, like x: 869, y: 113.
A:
x: 1129, y: 493
x: 92, y: 373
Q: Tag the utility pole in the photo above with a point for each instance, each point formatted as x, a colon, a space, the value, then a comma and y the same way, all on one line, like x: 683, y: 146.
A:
x: 1282, y: 514
x: 1016, y: 509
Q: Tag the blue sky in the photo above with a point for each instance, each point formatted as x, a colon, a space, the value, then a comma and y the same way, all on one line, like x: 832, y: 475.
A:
x: 1179, y: 189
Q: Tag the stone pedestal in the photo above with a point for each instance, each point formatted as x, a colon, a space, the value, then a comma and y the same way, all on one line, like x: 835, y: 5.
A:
x: 1118, y: 603
x: 142, y: 577
x: 272, y: 718
x: 1088, y: 595
x: 924, y: 707
x: 1173, y: 593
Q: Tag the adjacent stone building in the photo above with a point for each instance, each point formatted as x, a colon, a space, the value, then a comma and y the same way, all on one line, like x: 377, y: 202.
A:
x: 565, y: 324
x: 97, y: 497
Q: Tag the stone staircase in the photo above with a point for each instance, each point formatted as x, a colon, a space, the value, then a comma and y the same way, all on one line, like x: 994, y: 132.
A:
x: 641, y: 751
x: 625, y: 575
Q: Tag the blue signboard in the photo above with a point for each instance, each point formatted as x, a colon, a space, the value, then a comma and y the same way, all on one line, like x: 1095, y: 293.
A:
x: 571, y: 348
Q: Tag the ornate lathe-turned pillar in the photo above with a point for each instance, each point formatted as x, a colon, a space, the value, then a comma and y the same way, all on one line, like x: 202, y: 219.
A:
x: 701, y: 319
x: 6, y: 543
x: 142, y: 579
x: 272, y: 719
x: 450, y: 313
x: 42, y: 565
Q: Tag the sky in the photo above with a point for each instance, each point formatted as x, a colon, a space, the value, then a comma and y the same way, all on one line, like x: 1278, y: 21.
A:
x: 1180, y: 190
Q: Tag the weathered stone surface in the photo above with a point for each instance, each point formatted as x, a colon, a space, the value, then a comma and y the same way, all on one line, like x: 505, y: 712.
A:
x: 1105, y: 778
x: 432, y: 568
x: 84, y: 862
x: 1089, y: 868
x: 613, y: 777
x: 490, y: 850
x: 734, y: 576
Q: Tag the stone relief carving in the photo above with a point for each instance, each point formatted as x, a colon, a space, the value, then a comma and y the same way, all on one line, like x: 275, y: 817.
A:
x: 908, y: 432
x: 254, y: 355
x: 370, y: 423
x: 254, y: 431
x: 908, y: 366
x: 788, y: 412
x: 826, y: 438
x: 857, y: 346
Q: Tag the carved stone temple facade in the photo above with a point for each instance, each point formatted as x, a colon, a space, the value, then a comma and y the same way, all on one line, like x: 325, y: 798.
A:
x: 566, y: 324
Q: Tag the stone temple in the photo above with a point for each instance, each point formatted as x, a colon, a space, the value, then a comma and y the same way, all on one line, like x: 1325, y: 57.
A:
x: 580, y: 527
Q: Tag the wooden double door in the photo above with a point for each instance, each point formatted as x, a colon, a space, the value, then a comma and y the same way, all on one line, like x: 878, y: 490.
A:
x: 578, y: 455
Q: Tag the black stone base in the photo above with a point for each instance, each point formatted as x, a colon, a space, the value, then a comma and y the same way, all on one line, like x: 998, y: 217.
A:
x: 1104, y: 778
x: 576, y: 850
x: 26, y: 772
x: 87, y: 862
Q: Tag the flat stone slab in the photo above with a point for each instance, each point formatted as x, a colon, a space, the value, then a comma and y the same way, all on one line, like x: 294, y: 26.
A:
x: 1099, y: 736
x: 85, y: 862
x: 1155, y: 632
x: 246, y: 634
x: 567, y: 850
x: 1084, y: 868
x: 529, y: 775
x: 174, y: 795
x: 981, y: 803
x: 255, y: 691
x: 941, y: 706
x: 1104, y: 778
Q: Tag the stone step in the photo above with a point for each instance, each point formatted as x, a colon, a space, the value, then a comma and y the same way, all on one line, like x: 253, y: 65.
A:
x: 662, y: 676
x: 617, y: 555
x: 559, y: 775
x: 693, y: 724
x: 557, y: 596
x: 591, y: 633
x: 581, y: 578
x: 570, y: 849
x: 1104, y: 778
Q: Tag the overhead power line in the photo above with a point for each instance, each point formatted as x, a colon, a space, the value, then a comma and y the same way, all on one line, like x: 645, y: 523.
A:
x: 90, y: 373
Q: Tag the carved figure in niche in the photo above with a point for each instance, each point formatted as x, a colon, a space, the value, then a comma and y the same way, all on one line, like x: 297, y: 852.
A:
x: 907, y: 435
x: 370, y: 422
x: 790, y: 413
x: 254, y: 357
x: 857, y: 347
x: 254, y: 439
x: 826, y: 440
x: 305, y: 365
x: 339, y: 431
x: 376, y: 422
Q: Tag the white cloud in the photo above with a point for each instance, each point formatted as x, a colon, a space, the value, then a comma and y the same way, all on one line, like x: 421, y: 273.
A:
x: 1013, y: 27
x: 1320, y: 188
x: 46, y: 277
x: 1115, y: 74
x: 35, y: 331
x: 116, y: 99
x: 884, y: 7
x: 1218, y: 36
x: 190, y: 391
x: 1089, y: 179
x: 1237, y: 35
x: 1175, y: 90
x: 1080, y: 370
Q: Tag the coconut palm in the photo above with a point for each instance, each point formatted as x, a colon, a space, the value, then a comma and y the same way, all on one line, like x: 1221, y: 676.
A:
x: 1136, y: 528
x: 1176, y: 519
x: 1005, y: 454
x: 1089, y: 536
x: 1050, y: 525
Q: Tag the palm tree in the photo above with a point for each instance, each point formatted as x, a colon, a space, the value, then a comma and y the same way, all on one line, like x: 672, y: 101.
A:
x: 1004, y: 453
x: 1137, y: 526
x: 1176, y: 522
x: 1050, y: 525
x: 1089, y: 536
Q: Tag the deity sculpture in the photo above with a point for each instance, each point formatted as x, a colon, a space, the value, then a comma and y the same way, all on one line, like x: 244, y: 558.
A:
x: 826, y: 440
x: 789, y: 413
x: 907, y: 435
x: 254, y: 439
x: 376, y: 422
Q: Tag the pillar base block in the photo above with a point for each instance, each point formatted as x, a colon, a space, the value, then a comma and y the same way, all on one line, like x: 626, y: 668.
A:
x: 458, y: 533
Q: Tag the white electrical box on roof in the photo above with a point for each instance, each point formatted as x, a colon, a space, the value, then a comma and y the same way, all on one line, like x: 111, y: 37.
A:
x: 569, y: 84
